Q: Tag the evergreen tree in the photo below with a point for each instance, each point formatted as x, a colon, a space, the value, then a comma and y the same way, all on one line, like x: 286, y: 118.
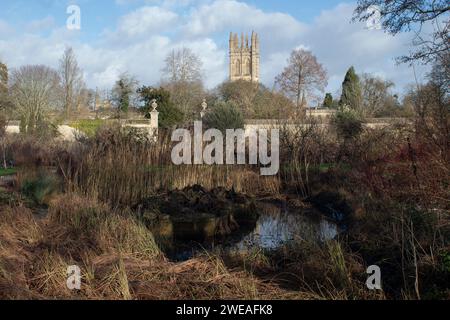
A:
x: 223, y: 116
x: 348, y: 124
x: 124, y: 97
x: 351, y: 91
x: 122, y: 92
x: 328, y: 102
x: 169, y: 114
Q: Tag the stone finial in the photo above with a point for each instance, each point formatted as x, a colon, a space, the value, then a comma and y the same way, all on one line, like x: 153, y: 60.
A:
x: 204, y: 107
x: 154, y: 105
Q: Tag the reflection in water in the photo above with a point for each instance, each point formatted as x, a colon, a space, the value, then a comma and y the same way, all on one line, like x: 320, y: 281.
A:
x: 275, y: 227
x: 278, y: 226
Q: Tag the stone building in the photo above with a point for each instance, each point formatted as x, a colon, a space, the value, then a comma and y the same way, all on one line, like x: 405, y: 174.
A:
x: 244, y: 57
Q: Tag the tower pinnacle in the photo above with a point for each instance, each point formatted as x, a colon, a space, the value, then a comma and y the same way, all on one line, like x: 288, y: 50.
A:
x: 244, y: 57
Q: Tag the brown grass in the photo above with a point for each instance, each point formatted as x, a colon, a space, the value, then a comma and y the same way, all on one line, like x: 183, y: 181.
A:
x: 399, y: 192
x: 117, y: 256
x: 123, y: 169
x: 325, y: 271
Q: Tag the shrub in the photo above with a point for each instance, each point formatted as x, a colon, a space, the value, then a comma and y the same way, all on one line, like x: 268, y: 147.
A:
x: 347, y: 123
x: 32, y: 151
x: 41, y: 187
x: 255, y: 101
x: 224, y: 116
x: 42, y: 128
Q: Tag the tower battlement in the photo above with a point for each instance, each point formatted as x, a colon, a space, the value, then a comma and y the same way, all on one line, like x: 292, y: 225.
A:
x: 244, y: 57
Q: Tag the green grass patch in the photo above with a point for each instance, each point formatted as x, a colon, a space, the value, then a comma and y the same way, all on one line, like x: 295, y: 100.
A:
x: 88, y: 127
x: 7, y: 172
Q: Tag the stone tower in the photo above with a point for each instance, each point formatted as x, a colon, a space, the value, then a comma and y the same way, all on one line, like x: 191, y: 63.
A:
x: 244, y: 58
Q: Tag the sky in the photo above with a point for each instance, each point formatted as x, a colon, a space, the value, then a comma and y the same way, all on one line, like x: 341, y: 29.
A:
x: 135, y: 36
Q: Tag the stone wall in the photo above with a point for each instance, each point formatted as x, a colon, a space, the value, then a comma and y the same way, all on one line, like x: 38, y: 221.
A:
x: 68, y: 133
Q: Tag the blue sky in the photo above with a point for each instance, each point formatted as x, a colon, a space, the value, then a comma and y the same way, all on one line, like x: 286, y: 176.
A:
x: 135, y: 35
x: 104, y: 14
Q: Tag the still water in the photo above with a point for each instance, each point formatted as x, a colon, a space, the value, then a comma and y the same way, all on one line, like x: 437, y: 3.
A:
x: 276, y: 226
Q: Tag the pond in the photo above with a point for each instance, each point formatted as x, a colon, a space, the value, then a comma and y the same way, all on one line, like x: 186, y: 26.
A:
x: 276, y: 226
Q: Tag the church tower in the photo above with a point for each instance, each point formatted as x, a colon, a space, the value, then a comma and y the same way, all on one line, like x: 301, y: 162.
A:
x: 244, y: 58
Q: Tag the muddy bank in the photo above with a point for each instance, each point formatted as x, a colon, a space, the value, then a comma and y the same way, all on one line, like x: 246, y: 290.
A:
x: 333, y: 205
x: 197, y: 214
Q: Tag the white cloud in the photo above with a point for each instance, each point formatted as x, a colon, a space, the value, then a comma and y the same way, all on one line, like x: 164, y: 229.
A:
x: 339, y: 44
x: 5, y: 30
x: 41, y: 24
x: 226, y: 15
x: 142, y: 38
x: 146, y: 20
x: 214, y: 59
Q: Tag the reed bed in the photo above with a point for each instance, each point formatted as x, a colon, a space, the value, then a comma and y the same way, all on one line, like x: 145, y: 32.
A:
x: 122, y: 169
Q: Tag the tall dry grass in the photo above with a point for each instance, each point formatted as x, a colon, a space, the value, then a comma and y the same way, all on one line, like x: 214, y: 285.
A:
x: 117, y: 257
x: 123, y: 168
x: 304, y: 149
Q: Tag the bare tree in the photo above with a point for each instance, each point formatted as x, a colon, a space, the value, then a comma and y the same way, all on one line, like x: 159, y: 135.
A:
x: 411, y: 15
x: 303, y: 76
x: 440, y: 74
x: 34, y: 91
x: 376, y: 95
x: 182, y: 65
x: 255, y: 101
x: 182, y: 76
x: 72, y: 81
x: 433, y: 106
